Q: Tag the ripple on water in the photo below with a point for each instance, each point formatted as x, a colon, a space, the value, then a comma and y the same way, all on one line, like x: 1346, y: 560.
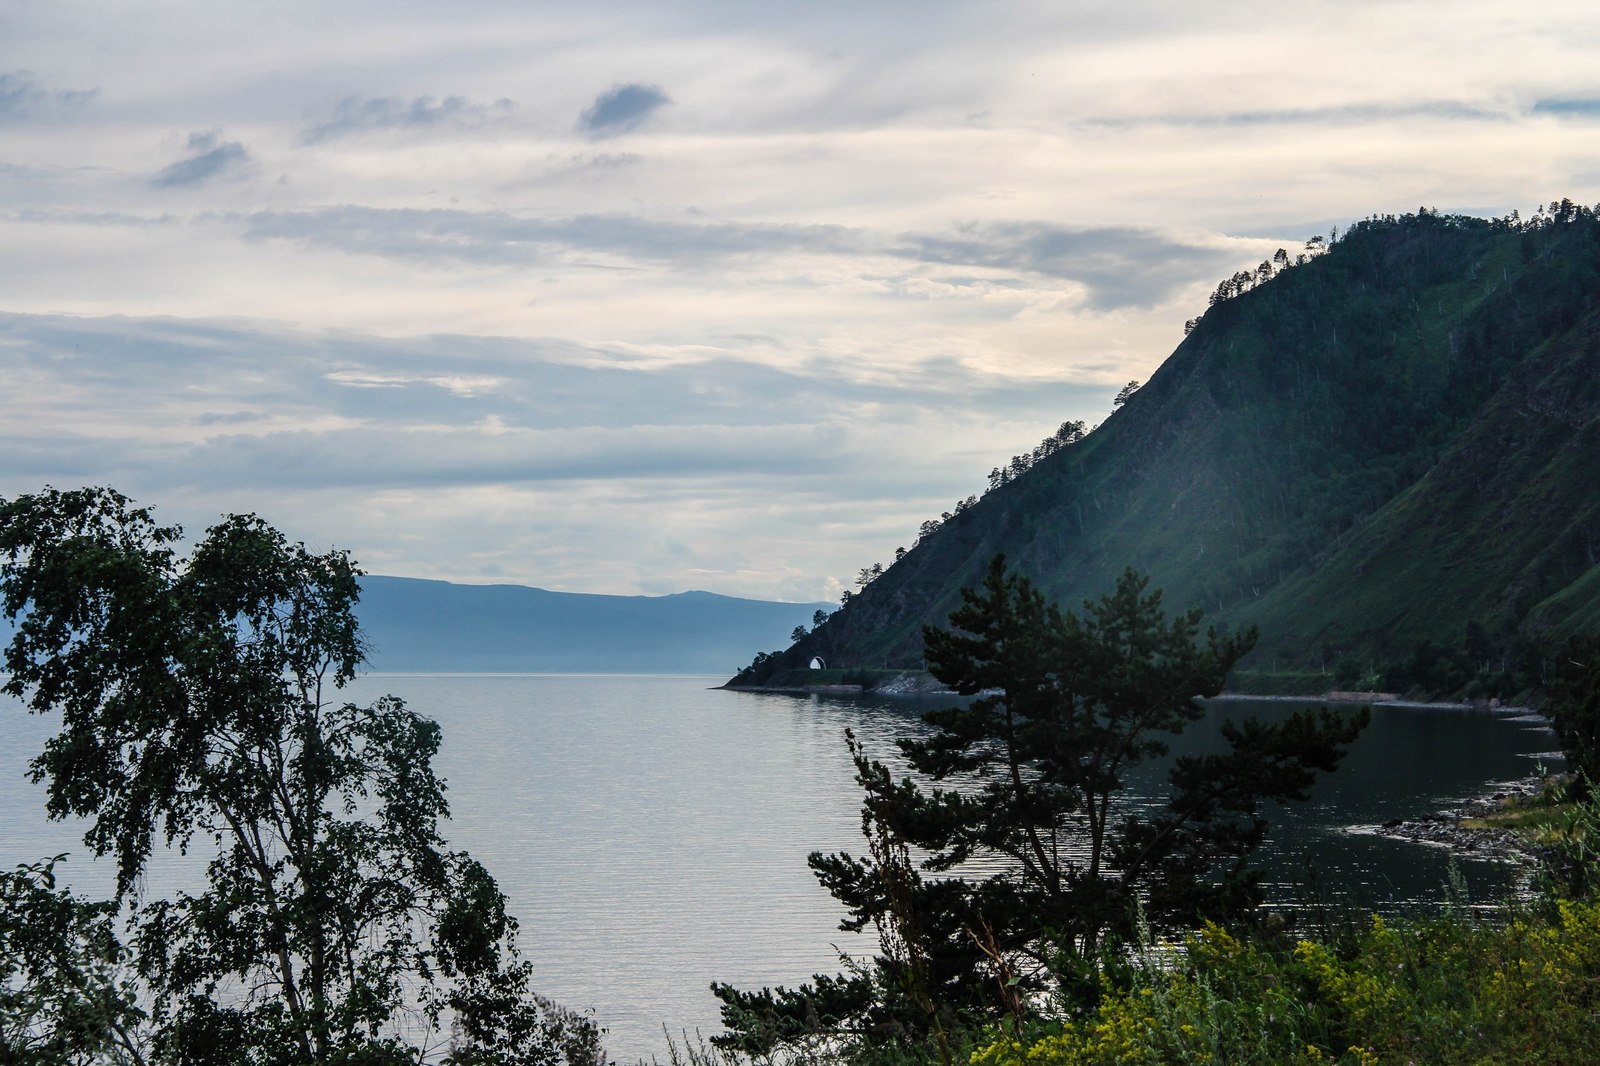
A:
x: 652, y: 833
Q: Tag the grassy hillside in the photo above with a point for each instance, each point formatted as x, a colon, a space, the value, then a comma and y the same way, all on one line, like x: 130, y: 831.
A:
x: 1369, y: 449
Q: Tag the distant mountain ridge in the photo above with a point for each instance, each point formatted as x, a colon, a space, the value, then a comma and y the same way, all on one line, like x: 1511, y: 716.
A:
x: 412, y: 624
x: 1394, y: 443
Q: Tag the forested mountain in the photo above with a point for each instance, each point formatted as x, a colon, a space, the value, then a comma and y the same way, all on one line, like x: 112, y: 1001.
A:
x: 411, y: 624
x: 1384, y: 451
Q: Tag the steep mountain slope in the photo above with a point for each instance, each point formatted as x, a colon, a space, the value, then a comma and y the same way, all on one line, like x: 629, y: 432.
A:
x: 412, y: 624
x: 1504, y: 530
x: 1376, y: 447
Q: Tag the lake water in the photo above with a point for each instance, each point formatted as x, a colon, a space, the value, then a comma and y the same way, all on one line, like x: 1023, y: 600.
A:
x: 652, y: 834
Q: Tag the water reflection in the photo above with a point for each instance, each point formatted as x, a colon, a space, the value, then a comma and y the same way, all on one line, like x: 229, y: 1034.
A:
x: 652, y: 834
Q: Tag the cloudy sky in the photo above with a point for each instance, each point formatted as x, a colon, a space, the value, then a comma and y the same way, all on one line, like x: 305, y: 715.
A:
x: 644, y: 297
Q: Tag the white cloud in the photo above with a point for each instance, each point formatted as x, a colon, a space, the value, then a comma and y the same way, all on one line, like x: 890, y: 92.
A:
x: 838, y: 260
x: 220, y: 415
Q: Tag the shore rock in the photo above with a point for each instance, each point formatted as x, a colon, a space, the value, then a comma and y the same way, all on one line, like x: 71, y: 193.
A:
x: 1445, y: 828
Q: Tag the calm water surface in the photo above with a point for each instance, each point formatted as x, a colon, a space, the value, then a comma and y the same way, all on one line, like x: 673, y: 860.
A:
x: 652, y: 834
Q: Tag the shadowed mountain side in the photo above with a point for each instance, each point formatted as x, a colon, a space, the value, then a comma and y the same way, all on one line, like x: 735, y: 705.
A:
x: 1503, y: 530
x: 416, y: 625
x: 1378, y: 446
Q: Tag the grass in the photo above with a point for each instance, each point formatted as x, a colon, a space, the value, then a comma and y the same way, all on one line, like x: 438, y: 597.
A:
x: 1539, y: 819
x: 1535, y: 822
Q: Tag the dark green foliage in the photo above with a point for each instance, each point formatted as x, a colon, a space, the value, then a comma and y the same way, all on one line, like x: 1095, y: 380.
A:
x: 821, y: 1011
x: 1066, y: 707
x: 1442, y: 991
x: 1363, y: 453
x: 65, y: 996
x: 1574, y: 710
x: 1479, y: 666
x: 1520, y: 984
x: 1031, y: 853
x: 760, y: 669
x: 198, y: 699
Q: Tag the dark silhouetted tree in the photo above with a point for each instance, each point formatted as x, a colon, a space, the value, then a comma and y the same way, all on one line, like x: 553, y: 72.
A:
x: 1030, y: 793
x: 1574, y: 709
x: 67, y: 993
x: 198, y: 701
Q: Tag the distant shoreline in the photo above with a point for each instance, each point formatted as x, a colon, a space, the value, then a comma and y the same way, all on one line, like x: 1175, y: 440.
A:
x: 915, y: 685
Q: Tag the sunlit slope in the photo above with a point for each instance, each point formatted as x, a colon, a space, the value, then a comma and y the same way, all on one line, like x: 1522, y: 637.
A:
x: 1377, y: 445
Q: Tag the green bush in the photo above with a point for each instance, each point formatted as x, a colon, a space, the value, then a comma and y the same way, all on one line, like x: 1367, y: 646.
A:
x: 1451, y: 989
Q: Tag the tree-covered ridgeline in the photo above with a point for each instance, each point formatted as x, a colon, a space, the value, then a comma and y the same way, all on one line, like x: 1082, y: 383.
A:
x: 198, y: 699
x: 1381, y: 455
x: 1071, y: 432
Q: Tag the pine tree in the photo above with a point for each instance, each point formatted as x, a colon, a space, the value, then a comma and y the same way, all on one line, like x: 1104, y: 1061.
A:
x: 1034, y: 848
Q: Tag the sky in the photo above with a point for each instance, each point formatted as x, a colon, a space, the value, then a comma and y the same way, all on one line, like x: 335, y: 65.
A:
x: 646, y: 297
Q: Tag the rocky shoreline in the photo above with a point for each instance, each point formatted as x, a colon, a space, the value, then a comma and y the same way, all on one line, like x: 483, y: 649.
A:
x: 1445, y: 828
x: 920, y: 683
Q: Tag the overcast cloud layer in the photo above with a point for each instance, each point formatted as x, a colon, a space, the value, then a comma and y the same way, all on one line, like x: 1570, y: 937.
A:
x: 642, y: 298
